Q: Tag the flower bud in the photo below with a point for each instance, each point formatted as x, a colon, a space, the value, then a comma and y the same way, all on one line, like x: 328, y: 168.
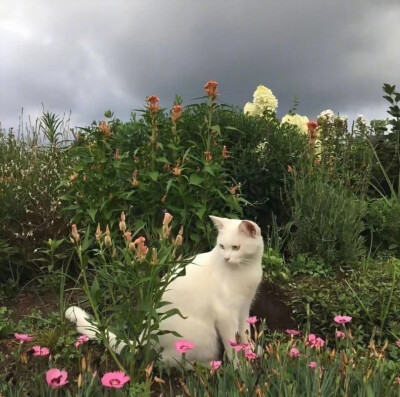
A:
x: 98, y: 232
x: 108, y: 241
x: 75, y: 234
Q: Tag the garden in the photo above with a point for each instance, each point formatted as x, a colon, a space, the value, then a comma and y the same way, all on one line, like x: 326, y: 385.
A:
x: 104, y: 216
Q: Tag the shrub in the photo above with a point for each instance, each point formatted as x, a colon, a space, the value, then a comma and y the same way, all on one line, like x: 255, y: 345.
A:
x: 327, y: 217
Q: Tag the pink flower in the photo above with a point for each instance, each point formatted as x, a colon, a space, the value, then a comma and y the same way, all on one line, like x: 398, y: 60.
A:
x: 340, y: 334
x: 398, y: 343
x: 342, y: 319
x: 215, y: 365
x: 115, y: 379
x: 167, y: 218
x: 294, y: 352
x: 312, y: 364
x: 292, y: 332
x: 252, y: 320
x: 81, y: 340
x: 23, y: 337
x: 40, y: 351
x: 398, y: 380
x: 183, y: 346
x: 250, y: 355
x: 211, y: 89
x: 313, y: 341
x: 56, y: 378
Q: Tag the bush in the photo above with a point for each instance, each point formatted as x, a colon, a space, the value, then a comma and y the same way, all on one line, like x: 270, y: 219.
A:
x: 327, y: 217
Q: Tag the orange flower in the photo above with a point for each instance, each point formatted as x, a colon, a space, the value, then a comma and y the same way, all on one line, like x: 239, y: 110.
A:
x: 105, y: 129
x: 176, y: 112
x: 176, y: 170
x: 74, y: 233
x: 211, y: 89
x: 312, y: 129
x: 153, y: 105
x: 135, y: 182
x: 167, y: 218
x: 225, y: 154
x: 208, y: 156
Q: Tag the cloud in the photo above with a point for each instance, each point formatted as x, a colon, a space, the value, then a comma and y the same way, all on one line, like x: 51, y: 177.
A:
x: 88, y: 56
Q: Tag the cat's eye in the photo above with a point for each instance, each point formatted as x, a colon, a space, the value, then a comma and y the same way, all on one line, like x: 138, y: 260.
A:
x: 235, y: 247
x: 221, y: 246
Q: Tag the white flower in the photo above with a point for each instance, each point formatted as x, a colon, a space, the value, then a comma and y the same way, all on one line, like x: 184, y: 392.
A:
x: 299, y: 121
x: 251, y: 110
x: 264, y: 99
x: 361, y: 120
x: 327, y: 114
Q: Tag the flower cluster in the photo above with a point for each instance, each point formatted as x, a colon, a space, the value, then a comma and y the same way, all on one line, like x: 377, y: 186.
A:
x: 301, y: 122
x: 263, y: 100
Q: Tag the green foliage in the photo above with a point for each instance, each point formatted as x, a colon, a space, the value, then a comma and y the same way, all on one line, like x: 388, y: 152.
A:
x: 148, y: 165
x: 369, y: 296
x: 327, y: 217
x: 6, y: 324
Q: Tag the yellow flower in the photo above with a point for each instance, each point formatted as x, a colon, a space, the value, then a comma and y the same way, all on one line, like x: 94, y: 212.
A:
x: 264, y: 99
x: 299, y: 121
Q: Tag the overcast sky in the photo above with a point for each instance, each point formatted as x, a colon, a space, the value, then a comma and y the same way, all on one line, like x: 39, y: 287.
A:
x: 86, y: 56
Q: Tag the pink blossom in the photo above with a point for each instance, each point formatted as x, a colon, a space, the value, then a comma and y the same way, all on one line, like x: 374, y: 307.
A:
x: 23, y: 337
x: 398, y: 380
x: 294, y: 352
x: 313, y: 341
x: 342, y: 319
x: 250, y: 355
x: 215, y: 365
x: 167, y: 218
x: 312, y: 364
x: 182, y: 346
x: 40, y: 351
x: 252, y: 320
x: 340, y: 334
x: 292, y: 332
x: 56, y: 378
x: 398, y: 343
x: 81, y: 340
x: 115, y: 379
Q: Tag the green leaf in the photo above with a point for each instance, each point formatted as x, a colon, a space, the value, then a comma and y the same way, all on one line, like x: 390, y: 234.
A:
x: 154, y: 175
x: 209, y: 170
x: 196, y: 179
x: 92, y: 213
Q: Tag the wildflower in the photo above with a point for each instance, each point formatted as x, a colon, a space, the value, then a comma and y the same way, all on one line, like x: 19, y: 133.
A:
x: 98, y: 232
x: 56, y: 378
x: 342, y: 319
x: 176, y: 112
x: 105, y: 129
x: 340, y: 334
x: 398, y: 380
x: 294, y: 352
x: 292, y: 332
x: 128, y: 236
x: 115, y: 380
x: 233, y: 189
x: 251, y: 110
x: 264, y: 99
x: 108, y: 241
x: 250, y: 355
x: 122, y: 224
x: 313, y: 341
x: 81, y: 340
x: 73, y: 176
x: 176, y: 170
x: 252, y: 320
x: 183, y: 346
x: 398, y: 343
x: 215, y: 365
x: 211, y: 89
x: 179, y: 239
x: 75, y: 234
x: 208, y: 156
x: 225, y: 154
x: 134, y: 179
x: 139, y: 246
x: 301, y: 122
x: 153, y: 105
x: 312, y: 364
x: 40, y: 351
x: 166, y: 230
x: 23, y: 337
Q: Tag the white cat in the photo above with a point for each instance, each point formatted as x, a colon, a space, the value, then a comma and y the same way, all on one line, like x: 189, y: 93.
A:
x: 215, y: 295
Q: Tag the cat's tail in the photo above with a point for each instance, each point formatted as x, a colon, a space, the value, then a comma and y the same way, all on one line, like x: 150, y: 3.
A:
x: 88, y: 327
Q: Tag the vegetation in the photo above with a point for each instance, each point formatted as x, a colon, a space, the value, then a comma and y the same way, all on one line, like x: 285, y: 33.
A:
x: 107, y: 215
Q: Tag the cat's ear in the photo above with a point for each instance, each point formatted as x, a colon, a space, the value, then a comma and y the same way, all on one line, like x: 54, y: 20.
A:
x: 218, y: 222
x: 249, y: 228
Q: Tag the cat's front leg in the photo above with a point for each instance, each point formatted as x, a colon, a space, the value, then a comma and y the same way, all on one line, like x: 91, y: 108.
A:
x: 227, y: 329
x: 244, y: 326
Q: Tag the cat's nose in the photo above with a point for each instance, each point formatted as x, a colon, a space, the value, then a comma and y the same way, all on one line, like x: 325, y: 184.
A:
x: 227, y: 258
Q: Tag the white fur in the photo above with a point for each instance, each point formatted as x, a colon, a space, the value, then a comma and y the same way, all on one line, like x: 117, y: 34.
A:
x: 215, y: 295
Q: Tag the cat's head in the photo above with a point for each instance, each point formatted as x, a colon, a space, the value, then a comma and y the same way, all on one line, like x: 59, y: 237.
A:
x: 238, y: 241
